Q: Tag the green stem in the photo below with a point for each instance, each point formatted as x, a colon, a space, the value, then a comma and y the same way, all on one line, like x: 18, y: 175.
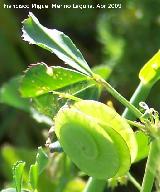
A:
x: 118, y: 96
x: 133, y: 180
x: 139, y: 95
x: 95, y: 185
x: 151, y: 166
x: 136, y: 124
x: 67, y: 96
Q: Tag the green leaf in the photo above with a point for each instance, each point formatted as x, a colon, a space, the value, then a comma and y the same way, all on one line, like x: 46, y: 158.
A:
x: 150, y: 73
x: 40, y: 79
x: 143, y: 145
x: 92, y: 92
x: 50, y: 103
x: 33, y: 176
x: 103, y: 70
x: 54, y: 41
x: 17, y: 174
x: 41, y: 159
x: 11, y: 155
x: 10, y: 95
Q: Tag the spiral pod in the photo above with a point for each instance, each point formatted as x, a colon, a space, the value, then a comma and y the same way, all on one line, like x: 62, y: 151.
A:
x: 96, y: 138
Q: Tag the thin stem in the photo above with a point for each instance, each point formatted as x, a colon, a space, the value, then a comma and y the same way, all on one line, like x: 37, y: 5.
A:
x: 136, y: 124
x: 118, y: 96
x: 139, y: 95
x: 151, y: 166
x: 134, y: 181
x: 67, y: 96
x: 95, y: 185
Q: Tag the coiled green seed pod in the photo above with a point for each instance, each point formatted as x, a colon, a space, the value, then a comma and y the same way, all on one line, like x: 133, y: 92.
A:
x: 96, y: 138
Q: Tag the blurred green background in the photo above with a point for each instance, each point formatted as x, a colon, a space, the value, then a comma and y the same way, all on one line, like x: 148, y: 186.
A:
x: 122, y: 39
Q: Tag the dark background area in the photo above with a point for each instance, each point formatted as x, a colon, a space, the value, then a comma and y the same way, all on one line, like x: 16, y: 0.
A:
x: 123, y: 39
